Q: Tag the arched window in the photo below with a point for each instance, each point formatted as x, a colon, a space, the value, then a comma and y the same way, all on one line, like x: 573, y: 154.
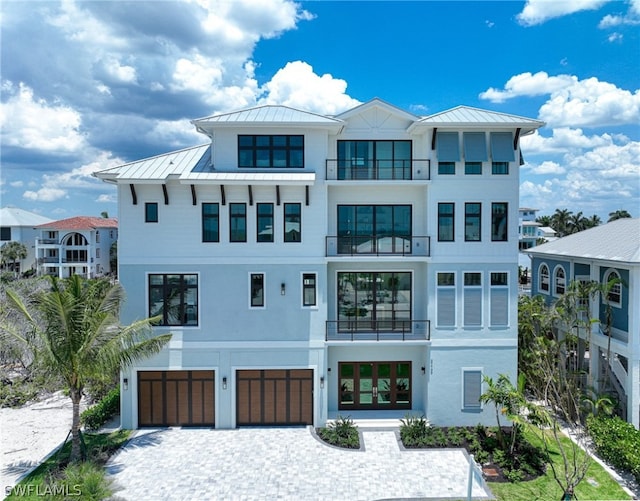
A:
x: 543, y: 278
x: 558, y: 281
x: 75, y: 239
x: 614, y: 286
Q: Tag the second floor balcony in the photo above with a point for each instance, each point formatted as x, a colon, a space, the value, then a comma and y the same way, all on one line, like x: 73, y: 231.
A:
x: 377, y: 170
x: 362, y: 245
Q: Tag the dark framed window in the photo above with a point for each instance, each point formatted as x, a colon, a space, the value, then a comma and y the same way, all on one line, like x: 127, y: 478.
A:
x: 472, y: 221
x: 257, y: 290
x: 374, y: 300
x: 210, y: 222
x: 271, y: 151
x: 499, y: 299
x: 374, y: 159
x: 369, y: 229
x: 237, y: 222
x: 151, y: 212
x: 309, y: 294
x: 499, y: 221
x: 559, y: 281
x: 543, y: 278
x: 473, y: 168
x: 446, y: 222
x: 446, y: 299
x: 174, y: 297
x: 292, y: 222
x: 472, y: 299
x: 5, y: 233
x: 500, y: 168
x: 264, y: 227
x: 446, y: 168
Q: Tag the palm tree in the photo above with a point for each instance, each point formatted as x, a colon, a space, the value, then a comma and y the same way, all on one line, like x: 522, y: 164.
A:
x: 560, y: 221
x: 576, y: 223
x: 593, y: 221
x: 544, y: 220
x: 12, y: 252
x: 619, y: 214
x: 75, y: 333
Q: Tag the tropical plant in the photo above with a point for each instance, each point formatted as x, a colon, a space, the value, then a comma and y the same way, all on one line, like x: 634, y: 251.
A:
x: 560, y: 221
x: 11, y: 253
x: 74, y: 331
x: 618, y: 214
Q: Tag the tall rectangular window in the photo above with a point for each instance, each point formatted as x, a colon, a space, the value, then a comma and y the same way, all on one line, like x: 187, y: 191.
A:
x: 237, y: 222
x: 473, y: 299
x: 499, y: 221
x: 499, y: 315
x: 472, y: 226
x: 210, y: 222
x: 309, y: 294
x: 264, y: 228
x: 174, y: 297
x: 446, y: 299
x: 271, y: 151
x: 446, y: 222
x: 5, y: 233
x: 151, y: 212
x: 292, y: 222
x: 471, y: 389
x: 257, y: 290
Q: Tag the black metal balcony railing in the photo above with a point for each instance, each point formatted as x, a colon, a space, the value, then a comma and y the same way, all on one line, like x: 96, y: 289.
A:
x: 379, y: 170
x: 378, y: 330
x: 356, y: 245
x: 48, y: 241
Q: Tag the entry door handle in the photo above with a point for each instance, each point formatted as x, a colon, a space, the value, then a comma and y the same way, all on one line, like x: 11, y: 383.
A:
x: 375, y: 391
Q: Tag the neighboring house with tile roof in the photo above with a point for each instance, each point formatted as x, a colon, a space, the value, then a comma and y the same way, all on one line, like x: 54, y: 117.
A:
x: 310, y: 266
x: 18, y: 225
x: 605, y: 252
x: 76, y: 246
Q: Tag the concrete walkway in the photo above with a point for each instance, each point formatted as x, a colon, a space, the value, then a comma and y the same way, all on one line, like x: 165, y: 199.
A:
x: 284, y: 464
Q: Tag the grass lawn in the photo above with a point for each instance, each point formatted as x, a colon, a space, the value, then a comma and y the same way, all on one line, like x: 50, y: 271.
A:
x: 597, y: 483
x: 39, y: 484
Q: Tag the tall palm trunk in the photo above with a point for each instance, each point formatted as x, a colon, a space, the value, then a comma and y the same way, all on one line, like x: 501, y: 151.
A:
x: 76, y: 450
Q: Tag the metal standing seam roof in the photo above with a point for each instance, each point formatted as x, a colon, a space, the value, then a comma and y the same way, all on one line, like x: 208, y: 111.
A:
x: 465, y: 115
x: 12, y: 216
x: 615, y: 241
x: 270, y: 114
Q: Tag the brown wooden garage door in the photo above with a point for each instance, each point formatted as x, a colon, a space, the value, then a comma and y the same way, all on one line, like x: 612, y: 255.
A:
x: 176, y: 398
x: 274, y: 397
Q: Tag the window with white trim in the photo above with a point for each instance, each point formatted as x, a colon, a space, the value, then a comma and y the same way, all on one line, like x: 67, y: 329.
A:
x: 499, y: 299
x: 559, y: 281
x: 446, y: 299
x: 471, y: 389
x: 543, y: 279
x: 309, y: 291
x: 174, y: 297
x: 472, y: 299
x: 613, y: 281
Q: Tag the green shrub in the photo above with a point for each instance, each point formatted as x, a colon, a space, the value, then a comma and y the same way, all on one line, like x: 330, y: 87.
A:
x: 415, y: 431
x: 86, y: 480
x: 617, y: 442
x: 94, y: 417
x: 341, y: 433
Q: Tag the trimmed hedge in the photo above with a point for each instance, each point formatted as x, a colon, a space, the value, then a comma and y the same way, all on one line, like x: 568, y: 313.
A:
x: 617, y: 442
x: 94, y: 417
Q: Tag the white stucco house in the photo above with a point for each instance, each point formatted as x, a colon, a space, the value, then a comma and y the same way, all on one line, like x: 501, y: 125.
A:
x: 19, y: 225
x: 77, y: 245
x: 310, y: 266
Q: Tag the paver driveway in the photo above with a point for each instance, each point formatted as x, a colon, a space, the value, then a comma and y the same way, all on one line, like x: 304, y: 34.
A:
x: 284, y: 464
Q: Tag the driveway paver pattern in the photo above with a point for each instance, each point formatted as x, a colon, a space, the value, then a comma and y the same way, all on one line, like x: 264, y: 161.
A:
x: 283, y: 464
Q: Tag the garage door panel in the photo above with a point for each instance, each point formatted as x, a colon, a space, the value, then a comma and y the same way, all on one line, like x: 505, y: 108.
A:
x: 176, y: 398
x: 274, y: 397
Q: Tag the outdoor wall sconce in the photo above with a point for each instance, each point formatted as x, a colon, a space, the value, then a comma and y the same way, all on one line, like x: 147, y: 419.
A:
x: 125, y: 383
x: 321, y: 381
x: 283, y: 289
x: 423, y: 369
x: 224, y: 383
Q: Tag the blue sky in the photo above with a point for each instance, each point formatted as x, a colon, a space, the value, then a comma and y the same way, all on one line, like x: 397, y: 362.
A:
x: 90, y: 85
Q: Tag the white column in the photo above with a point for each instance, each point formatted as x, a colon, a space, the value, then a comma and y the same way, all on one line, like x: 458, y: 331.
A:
x: 633, y: 393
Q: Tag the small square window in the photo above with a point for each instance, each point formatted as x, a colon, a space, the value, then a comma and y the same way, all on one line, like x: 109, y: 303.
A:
x: 500, y: 168
x: 446, y: 168
x: 473, y: 168
x: 151, y: 212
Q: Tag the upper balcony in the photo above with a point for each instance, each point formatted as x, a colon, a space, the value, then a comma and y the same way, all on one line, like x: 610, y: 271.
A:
x: 378, y: 330
x: 355, y: 169
x: 375, y: 245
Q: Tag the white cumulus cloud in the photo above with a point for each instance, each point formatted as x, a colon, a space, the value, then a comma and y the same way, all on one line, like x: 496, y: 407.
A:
x: 539, y: 11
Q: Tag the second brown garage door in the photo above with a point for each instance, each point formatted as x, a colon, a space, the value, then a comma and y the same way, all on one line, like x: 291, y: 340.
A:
x: 176, y: 398
x: 274, y: 397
